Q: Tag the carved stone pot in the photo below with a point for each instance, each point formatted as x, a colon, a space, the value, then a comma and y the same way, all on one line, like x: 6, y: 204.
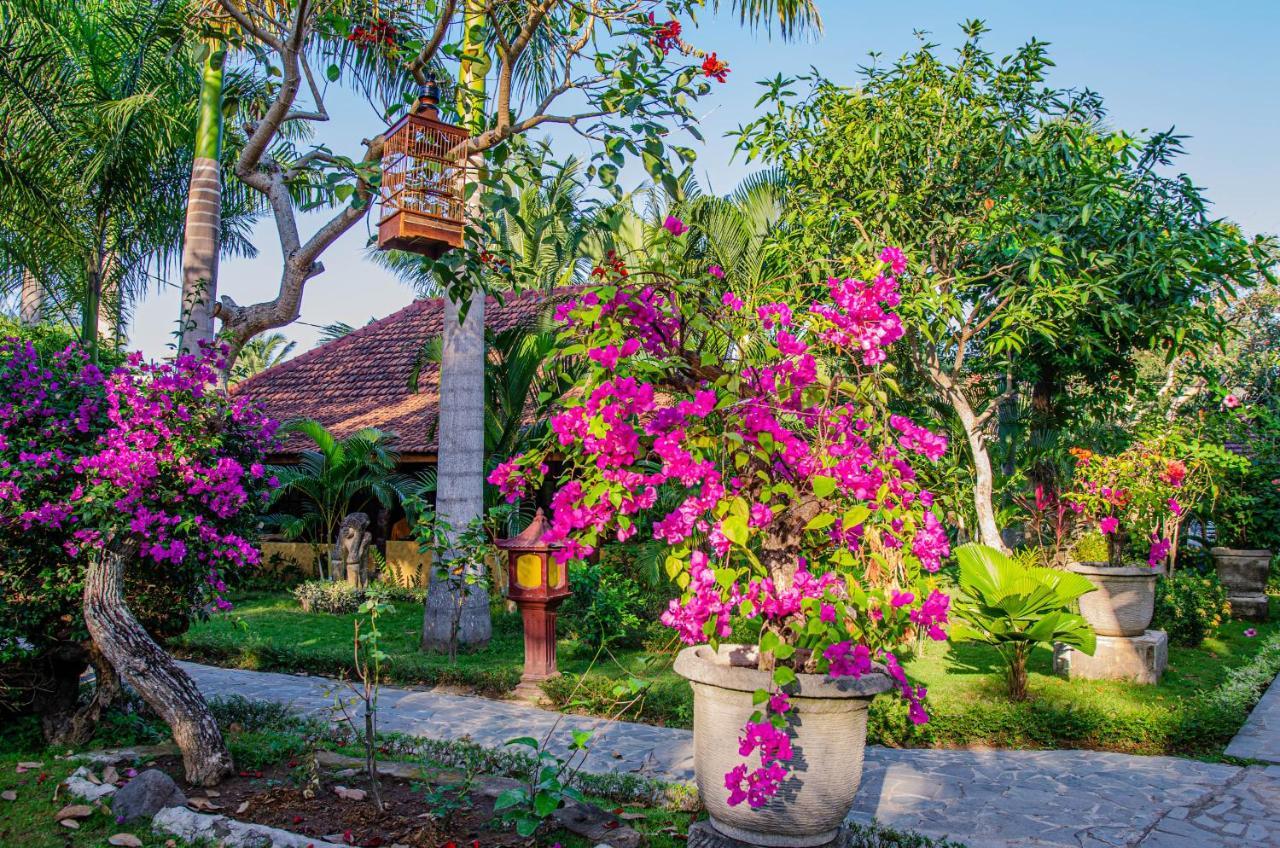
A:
x: 828, y: 720
x: 1125, y: 598
x: 1244, y: 573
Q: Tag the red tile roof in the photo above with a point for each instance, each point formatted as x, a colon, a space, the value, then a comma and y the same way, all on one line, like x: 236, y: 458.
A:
x: 362, y: 379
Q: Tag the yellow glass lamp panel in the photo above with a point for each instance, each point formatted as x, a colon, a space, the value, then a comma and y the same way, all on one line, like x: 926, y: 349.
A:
x: 529, y: 571
x: 553, y: 574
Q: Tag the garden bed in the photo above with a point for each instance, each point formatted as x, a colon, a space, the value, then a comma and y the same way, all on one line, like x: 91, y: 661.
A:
x: 1183, y: 715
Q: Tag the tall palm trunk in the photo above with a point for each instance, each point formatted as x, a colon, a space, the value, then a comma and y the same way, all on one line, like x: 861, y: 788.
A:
x: 204, y: 211
x: 32, y: 305
x: 110, y: 304
x: 460, y: 433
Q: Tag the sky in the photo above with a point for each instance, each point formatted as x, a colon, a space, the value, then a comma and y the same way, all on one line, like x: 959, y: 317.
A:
x: 1209, y: 69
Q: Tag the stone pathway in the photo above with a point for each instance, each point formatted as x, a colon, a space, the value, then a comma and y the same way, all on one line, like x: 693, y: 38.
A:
x: 1259, y: 739
x: 984, y: 799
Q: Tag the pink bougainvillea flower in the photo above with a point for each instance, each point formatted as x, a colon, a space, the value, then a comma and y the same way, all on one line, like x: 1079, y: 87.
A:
x: 716, y: 271
x: 1250, y: 632
x: 1231, y: 401
x: 732, y: 301
x: 895, y: 258
x: 1174, y: 506
x: 1109, y: 524
x: 1175, y: 473
x: 675, y: 226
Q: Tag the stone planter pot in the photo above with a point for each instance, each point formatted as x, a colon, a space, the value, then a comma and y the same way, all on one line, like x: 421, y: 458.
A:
x: 829, y: 723
x: 1125, y: 598
x: 1244, y: 574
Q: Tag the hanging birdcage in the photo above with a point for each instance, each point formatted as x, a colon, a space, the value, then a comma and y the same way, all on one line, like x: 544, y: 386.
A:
x: 422, y: 186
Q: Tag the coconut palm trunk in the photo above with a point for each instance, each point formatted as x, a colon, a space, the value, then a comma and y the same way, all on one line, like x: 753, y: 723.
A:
x: 460, y: 432
x: 204, y: 216
x: 31, y: 309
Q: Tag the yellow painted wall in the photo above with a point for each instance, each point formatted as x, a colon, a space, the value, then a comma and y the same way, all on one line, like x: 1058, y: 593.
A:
x: 406, y: 566
x: 301, y: 554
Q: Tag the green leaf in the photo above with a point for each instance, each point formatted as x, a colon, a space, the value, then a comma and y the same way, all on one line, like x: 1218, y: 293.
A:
x: 510, y: 798
x: 820, y: 521
x: 545, y: 803
x: 783, y: 676
x: 823, y: 486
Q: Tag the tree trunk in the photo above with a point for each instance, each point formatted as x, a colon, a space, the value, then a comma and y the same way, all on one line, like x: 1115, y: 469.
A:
x: 200, y: 245
x: 145, y: 665
x: 459, y: 473
x: 110, y: 304
x: 984, y: 476
x: 76, y: 726
x: 32, y: 308
x: 460, y: 429
x: 1016, y: 672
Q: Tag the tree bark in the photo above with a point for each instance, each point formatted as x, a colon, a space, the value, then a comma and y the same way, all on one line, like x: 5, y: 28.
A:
x: 460, y: 428
x: 76, y: 726
x: 460, y: 471
x: 150, y: 670
x: 32, y: 304
x: 200, y: 246
x: 984, y: 476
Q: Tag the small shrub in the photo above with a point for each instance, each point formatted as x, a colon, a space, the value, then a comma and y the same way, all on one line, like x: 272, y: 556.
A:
x: 605, y: 607
x: 1090, y: 547
x: 1220, y: 713
x: 257, y: 750
x: 254, y: 715
x: 1190, y: 606
x: 343, y: 599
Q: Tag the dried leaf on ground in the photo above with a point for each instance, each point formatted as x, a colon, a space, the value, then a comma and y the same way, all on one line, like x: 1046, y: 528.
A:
x: 125, y: 840
x: 349, y: 794
x: 73, y: 811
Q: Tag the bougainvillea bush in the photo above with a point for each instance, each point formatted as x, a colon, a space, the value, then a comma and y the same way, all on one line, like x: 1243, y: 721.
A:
x: 800, y: 512
x: 93, y: 456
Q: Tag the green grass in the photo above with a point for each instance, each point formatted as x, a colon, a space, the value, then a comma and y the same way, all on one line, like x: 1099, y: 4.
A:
x: 966, y: 698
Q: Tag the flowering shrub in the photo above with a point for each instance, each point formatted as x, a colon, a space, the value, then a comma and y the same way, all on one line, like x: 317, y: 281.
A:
x: 1146, y: 489
x: 1190, y: 606
x: 799, y: 511
x: 88, y: 458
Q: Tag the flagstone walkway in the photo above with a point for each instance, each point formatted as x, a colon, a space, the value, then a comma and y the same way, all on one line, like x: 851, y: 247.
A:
x: 984, y: 799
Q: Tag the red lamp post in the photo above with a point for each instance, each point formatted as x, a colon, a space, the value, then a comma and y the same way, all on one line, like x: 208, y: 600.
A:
x: 538, y: 585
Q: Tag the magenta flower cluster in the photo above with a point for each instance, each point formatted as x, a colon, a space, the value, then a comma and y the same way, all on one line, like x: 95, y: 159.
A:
x: 796, y: 504
x: 154, y: 453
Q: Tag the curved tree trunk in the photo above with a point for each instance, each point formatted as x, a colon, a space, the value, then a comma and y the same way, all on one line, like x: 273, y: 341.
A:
x: 459, y: 473
x: 150, y: 670
x: 204, y: 212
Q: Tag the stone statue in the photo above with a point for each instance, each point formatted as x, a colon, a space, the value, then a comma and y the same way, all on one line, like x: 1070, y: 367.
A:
x: 353, y: 543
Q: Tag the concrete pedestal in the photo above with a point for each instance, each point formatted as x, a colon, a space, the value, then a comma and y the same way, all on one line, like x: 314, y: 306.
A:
x: 1249, y: 607
x: 704, y: 835
x: 1140, y: 659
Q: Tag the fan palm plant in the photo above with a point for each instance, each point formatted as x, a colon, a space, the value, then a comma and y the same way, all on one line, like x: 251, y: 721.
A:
x: 1014, y: 607
x: 337, y: 476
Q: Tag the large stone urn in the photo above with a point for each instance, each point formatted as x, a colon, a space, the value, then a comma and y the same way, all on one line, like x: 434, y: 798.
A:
x: 828, y: 721
x: 1244, y: 573
x: 1125, y: 598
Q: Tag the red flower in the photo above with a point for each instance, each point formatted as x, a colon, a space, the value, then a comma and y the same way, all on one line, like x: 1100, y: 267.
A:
x: 666, y: 36
x: 715, y: 69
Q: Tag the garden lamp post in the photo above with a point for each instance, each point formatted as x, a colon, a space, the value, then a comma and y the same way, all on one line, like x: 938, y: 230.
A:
x: 538, y: 585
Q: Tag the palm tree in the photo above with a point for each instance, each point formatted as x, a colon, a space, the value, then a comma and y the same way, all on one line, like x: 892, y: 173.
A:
x: 543, y: 236
x: 261, y: 353
x: 337, y: 476
x: 98, y: 101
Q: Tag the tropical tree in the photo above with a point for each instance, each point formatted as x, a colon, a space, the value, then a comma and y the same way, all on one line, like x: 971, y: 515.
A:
x: 98, y: 101
x: 261, y: 353
x: 1046, y: 247
x: 335, y: 477
x: 1014, y: 607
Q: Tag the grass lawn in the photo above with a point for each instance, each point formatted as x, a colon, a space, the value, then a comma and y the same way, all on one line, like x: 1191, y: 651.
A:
x: 270, y: 632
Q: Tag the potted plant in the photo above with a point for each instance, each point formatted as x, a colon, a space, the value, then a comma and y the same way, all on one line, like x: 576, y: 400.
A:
x: 802, y: 540
x: 1141, y: 492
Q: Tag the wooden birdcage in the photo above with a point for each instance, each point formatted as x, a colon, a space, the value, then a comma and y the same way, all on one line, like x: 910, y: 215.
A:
x: 422, y: 187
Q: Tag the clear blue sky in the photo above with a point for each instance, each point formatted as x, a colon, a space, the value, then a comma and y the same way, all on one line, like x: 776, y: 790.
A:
x: 1212, y: 70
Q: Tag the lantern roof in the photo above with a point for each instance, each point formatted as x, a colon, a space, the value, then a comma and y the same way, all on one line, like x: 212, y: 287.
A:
x: 531, y: 536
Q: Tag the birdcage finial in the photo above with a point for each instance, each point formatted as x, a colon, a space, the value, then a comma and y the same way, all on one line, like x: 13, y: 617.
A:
x: 429, y: 97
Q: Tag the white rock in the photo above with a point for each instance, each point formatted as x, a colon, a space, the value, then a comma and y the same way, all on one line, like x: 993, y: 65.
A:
x: 229, y: 833
x: 78, y: 784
